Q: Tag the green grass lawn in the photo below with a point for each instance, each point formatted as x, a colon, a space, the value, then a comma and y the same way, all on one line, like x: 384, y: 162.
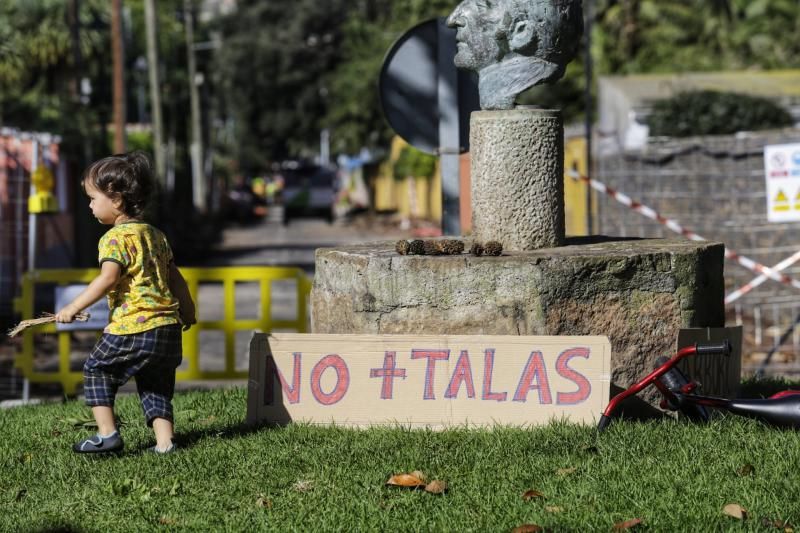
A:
x: 226, y: 477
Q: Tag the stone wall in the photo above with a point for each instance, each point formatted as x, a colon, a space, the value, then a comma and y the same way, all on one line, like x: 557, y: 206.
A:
x: 637, y: 292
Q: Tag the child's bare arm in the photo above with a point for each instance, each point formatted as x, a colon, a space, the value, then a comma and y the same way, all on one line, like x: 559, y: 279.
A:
x: 99, y: 287
x: 180, y: 290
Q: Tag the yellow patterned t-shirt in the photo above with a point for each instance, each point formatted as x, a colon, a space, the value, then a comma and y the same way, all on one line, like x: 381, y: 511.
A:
x: 141, y: 299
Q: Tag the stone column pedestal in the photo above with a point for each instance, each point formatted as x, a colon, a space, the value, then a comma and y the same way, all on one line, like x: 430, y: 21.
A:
x: 518, y: 178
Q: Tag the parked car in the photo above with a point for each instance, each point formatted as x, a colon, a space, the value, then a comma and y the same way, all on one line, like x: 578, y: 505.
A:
x: 242, y: 204
x: 309, y: 191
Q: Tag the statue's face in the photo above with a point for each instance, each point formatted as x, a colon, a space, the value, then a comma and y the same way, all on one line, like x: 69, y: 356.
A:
x: 477, y: 23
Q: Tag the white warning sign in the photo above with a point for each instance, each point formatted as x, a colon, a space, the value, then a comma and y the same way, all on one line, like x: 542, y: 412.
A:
x: 782, y: 172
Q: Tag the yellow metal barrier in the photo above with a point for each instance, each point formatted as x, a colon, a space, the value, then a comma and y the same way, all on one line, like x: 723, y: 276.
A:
x: 229, y: 325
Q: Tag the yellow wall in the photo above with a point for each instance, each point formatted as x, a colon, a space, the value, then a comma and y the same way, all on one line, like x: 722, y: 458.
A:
x: 575, y: 190
x: 395, y: 195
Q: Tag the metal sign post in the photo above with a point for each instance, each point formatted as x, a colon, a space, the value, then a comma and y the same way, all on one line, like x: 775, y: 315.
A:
x: 449, y: 149
x: 428, y: 102
x: 26, y: 386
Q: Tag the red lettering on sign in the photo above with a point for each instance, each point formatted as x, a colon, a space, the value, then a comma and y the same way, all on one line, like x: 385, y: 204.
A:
x: 462, y: 374
x: 342, y: 379
x: 584, y: 386
x: 534, y: 376
x: 432, y: 356
x: 272, y: 371
x: 388, y: 372
x: 488, y: 367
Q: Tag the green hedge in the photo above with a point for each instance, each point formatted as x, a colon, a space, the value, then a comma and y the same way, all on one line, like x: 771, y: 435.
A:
x: 413, y: 162
x: 715, y: 113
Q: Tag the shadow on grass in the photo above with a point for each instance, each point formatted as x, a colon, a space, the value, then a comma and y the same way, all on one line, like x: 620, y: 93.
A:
x: 185, y: 440
x: 59, y: 528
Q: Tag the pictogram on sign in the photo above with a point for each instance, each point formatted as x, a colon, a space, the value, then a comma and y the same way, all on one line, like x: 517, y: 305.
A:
x: 781, y: 202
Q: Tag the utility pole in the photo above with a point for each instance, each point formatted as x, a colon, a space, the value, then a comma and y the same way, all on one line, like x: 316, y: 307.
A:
x: 588, y: 69
x: 119, y: 76
x: 151, y: 23
x: 196, y: 148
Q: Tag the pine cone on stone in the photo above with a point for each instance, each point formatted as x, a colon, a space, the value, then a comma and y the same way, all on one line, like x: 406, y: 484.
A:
x: 451, y: 246
x: 431, y: 248
x: 493, y: 248
x: 416, y: 247
x: 402, y: 247
x: 476, y: 249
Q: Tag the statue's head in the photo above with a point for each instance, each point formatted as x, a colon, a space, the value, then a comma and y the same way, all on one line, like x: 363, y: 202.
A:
x: 490, y: 32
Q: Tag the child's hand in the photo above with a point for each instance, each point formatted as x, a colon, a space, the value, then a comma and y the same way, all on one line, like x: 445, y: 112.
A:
x: 67, y: 314
x: 187, y: 318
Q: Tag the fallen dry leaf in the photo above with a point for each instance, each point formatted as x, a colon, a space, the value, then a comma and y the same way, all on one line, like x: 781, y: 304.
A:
x: 303, y: 485
x: 531, y: 494
x: 405, y: 480
x: 419, y: 474
x: 553, y: 509
x: 566, y: 471
x: 167, y: 521
x: 437, y: 486
x: 627, y: 524
x: 263, y: 501
x: 527, y: 528
x: 777, y: 523
x: 746, y: 470
x: 735, y: 510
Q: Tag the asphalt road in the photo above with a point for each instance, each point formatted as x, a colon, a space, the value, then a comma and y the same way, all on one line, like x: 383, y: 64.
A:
x: 269, y: 242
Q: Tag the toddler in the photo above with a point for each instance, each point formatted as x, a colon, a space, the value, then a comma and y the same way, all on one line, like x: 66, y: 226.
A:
x: 148, y: 300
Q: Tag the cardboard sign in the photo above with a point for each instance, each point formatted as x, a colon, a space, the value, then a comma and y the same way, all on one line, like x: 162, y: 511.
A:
x: 427, y: 380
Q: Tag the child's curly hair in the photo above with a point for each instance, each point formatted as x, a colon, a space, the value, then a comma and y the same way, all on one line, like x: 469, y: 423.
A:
x: 128, y: 177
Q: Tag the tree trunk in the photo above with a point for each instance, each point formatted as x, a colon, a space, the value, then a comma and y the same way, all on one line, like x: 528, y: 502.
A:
x: 151, y: 23
x: 119, y: 76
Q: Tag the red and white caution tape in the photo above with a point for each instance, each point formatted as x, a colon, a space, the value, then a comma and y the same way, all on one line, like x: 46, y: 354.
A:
x: 744, y: 289
x: 677, y: 228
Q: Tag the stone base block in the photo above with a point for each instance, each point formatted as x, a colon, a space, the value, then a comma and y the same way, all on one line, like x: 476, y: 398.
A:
x: 639, y: 293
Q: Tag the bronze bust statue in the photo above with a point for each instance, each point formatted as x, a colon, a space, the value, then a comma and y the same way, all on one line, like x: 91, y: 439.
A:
x: 515, y: 44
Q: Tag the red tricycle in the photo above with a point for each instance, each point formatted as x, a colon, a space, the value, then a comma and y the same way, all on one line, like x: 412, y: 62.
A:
x: 678, y: 391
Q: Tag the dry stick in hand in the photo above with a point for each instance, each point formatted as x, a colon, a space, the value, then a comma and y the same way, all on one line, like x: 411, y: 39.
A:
x: 46, y: 318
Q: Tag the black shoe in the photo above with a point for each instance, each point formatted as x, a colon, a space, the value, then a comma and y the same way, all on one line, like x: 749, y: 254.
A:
x: 98, y: 444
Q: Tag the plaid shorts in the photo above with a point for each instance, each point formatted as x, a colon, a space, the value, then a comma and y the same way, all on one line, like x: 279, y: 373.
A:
x: 151, y: 356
